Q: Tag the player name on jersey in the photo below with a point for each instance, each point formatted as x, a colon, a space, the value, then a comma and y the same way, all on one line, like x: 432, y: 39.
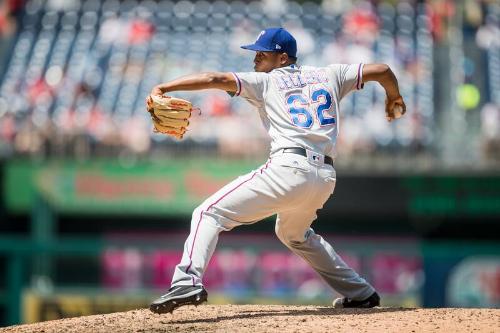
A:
x: 300, y: 80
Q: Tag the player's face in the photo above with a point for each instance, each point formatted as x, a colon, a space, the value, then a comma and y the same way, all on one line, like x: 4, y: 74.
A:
x: 266, y: 61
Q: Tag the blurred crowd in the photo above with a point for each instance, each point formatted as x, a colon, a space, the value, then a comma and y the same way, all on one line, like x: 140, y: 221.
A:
x: 76, y: 73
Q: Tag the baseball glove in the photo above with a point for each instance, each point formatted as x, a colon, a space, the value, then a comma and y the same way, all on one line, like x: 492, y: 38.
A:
x: 170, y: 115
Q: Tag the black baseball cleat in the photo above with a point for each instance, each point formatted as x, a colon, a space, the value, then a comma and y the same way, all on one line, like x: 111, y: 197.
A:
x: 179, y: 296
x: 370, y: 302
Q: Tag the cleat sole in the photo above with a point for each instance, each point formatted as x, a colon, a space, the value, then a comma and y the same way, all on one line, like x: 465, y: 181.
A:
x: 169, y: 306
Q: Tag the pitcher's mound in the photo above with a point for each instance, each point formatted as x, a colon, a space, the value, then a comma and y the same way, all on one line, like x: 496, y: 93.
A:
x: 277, y: 318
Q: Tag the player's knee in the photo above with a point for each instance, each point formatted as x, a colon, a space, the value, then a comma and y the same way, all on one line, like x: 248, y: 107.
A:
x: 288, y: 238
x: 197, y: 213
x: 214, y: 215
x: 279, y: 233
x: 196, y: 216
x: 295, y: 241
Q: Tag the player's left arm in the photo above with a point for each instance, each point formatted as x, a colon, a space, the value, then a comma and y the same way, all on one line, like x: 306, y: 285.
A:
x: 383, y: 74
x: 200, y: 81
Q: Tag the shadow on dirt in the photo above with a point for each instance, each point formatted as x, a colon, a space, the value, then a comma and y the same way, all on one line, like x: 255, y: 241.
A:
x: 320, y: 311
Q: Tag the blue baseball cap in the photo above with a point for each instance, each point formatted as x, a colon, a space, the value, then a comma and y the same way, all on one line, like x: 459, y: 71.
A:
x: 274, y: 40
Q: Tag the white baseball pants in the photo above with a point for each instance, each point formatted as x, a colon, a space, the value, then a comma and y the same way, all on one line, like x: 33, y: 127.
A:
x: 289, y: 185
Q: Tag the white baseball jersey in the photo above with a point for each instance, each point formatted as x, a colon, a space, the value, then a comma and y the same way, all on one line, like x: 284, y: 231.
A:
x: 299, y: 106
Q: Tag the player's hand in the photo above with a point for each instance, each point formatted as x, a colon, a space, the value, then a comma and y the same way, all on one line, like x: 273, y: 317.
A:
x: 156, y: 91
x: 394, y: 108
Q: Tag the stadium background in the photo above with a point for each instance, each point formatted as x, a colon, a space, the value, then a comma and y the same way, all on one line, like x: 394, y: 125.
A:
x: 95, y: 207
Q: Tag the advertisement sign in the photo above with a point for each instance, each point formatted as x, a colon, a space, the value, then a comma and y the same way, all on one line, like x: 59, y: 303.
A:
x: 266, y: 273
x: 475, y: 282
x: 461, y: 274
x: 176, y: 187
x: 39, y: 307
x: 171, y: 187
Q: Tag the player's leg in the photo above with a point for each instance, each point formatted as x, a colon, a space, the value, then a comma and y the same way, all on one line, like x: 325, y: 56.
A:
x: 320, y: 255
x: 245, y: 200
x: 293, y: 229
x: 259, y: 194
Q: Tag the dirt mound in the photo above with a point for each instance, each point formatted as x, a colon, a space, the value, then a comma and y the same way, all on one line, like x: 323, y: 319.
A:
x: 277, y: 318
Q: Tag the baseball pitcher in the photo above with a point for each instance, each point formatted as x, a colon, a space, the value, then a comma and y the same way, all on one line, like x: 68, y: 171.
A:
x: 299, y: 107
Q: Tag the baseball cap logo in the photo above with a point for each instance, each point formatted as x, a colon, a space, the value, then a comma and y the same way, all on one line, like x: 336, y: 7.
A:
x: 278, y: 47
x: 261, y: 34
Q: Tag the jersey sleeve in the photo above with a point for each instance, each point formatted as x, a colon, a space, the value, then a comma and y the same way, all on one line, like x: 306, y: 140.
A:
x: 252, y: 87
x: 347, y: 77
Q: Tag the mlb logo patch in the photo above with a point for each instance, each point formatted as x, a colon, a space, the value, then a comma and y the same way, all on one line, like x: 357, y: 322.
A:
x: 315, y: 158
x: 278, y: 47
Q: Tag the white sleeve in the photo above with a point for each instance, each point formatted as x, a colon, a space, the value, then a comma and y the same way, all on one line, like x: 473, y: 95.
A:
x: 347, y: 77
x: 252, y: 87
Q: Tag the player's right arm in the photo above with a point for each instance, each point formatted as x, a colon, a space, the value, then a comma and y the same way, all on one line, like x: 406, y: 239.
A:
x: 383, y: 74
x: 211, y: 80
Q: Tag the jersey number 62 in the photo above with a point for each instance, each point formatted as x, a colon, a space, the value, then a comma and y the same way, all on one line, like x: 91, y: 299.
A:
x: 298, y: 108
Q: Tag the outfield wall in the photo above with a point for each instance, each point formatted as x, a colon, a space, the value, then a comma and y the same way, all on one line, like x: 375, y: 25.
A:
x: 411, y: 203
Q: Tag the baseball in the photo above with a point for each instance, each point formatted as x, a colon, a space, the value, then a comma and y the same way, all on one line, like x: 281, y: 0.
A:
x: 398, y: 111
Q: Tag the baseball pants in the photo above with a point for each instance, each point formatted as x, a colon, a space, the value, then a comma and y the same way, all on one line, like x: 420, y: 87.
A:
x: 290, y: 185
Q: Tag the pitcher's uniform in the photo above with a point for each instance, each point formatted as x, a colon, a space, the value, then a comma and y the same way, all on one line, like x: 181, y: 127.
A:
x: 299, y: 107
